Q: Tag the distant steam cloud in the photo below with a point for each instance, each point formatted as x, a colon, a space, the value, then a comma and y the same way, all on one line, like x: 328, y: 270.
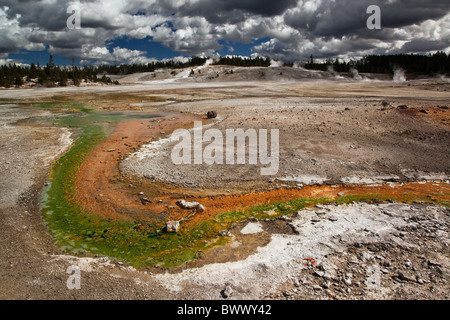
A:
x: 206, y: 65
x: 399, y: 75
x: 443, y: 78
x: 331, y: 70
x: 297, y: 65
x: 276, y: 63
x: 356, y: 74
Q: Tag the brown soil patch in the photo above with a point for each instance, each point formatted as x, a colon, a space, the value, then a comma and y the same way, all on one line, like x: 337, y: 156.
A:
x: 437, y: 114
x: 96, y: 184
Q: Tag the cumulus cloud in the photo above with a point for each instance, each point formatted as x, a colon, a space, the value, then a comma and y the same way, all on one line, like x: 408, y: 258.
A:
x: 14, y: 37
x: 294, y: 29
x: 102, y: 55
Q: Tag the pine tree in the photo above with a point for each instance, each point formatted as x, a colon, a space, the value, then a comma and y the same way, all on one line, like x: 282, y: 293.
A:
x: 33, y: 71
x: 63, y: 79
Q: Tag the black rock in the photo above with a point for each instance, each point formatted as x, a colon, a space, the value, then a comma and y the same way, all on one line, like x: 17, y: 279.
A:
x: 211, y: 114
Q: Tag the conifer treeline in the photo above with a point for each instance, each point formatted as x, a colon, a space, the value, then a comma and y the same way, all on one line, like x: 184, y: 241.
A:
x: 411, y: 63
x: 52, y: 75
x: 150, y: 67
x: 243, y: 62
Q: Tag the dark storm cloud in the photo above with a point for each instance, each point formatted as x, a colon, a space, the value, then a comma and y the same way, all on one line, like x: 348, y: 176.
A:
x: 51, y: 17
x: 38, y: 14
x: 403, y: 13
x: 424, y: 46
x: 263, y: 7
x: 345, y: 17
x: 222, y: 11
x: 296, y: 28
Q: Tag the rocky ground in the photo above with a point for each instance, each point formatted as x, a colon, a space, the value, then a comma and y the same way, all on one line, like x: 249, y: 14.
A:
x: 356, y: 251
x: 334, y: 133
x: 322, y: 141
x: 407, y: 262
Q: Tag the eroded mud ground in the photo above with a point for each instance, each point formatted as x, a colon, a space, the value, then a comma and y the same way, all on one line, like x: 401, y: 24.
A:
x: 337, y: 139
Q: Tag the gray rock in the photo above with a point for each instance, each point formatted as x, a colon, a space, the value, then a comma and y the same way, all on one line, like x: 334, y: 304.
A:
x: 173, y: 226
x: 329, y: 275
x: 434, y: 263
x: 293, y: 227
x: 317, y: 287
x: 225, y: 233
x: 386, y: 264
x: 318, y: 273
x: 366, y: 256
x: 190, y: 205
x: 144, y: 201
x: 227, y: 292
x: 348, y: 279
x: 287, y: 293
x: 403, y: 277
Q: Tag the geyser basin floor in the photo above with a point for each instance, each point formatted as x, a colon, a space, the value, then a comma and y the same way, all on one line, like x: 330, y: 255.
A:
x: 104, y: 213
x: 33, y: 268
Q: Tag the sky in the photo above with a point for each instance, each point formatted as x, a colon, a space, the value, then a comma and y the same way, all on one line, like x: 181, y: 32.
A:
x: 138, y: 31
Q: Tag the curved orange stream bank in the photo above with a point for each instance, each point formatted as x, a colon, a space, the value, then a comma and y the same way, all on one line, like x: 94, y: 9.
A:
x: 101, y: 189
